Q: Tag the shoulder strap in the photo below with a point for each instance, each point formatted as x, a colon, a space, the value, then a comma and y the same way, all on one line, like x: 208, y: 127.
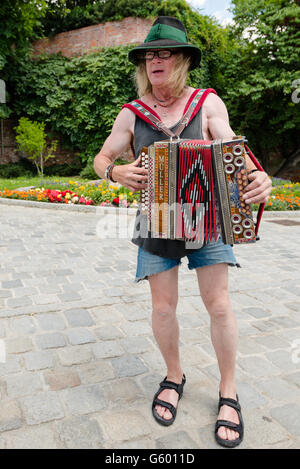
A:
x: 148, y: 115
x: 192, y: 107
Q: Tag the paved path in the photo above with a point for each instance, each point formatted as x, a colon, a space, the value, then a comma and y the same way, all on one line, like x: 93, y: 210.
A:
x: 81, y: 366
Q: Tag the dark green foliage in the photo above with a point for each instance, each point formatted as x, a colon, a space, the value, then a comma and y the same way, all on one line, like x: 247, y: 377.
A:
x: 12, y: 170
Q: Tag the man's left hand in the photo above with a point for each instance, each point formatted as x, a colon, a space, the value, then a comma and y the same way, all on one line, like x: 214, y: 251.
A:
x: 258, y: 189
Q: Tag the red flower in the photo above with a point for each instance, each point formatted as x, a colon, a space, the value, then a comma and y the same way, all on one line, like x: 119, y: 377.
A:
x: 116, y: 201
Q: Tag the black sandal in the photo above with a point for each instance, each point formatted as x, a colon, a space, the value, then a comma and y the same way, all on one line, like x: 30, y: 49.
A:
x: 237, y: 427
x: 165, y: 384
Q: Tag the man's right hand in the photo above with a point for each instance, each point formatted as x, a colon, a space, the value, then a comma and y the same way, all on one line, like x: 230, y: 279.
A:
x: 131, y: 175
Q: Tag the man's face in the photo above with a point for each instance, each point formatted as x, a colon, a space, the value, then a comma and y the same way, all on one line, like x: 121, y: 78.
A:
x: 159, y: 68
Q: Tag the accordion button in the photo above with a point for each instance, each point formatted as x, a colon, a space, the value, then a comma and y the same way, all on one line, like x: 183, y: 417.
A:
x: 237, y: 229
x: 247, y: 223
x: 236, y: 218
x: 229, y: 169
x: 238, y: 162
x: 248, y: 234
x: 237, y: 150
x: 227, y: 158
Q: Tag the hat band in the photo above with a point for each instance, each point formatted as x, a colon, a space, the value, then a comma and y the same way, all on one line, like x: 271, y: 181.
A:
x: 164, y: 31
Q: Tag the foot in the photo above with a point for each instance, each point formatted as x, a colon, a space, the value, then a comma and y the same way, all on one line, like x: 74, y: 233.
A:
x: 228, y: 413
x: 168, y: 395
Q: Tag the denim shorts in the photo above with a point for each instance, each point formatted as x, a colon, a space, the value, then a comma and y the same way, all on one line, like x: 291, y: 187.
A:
x: 213, y: 253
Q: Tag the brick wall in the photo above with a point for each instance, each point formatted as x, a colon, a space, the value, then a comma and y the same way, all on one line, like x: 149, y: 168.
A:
x: 92, y: 38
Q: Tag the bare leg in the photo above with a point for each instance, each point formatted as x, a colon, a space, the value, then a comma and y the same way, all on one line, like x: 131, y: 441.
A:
x: 164, y: 290
x: 213, y: 285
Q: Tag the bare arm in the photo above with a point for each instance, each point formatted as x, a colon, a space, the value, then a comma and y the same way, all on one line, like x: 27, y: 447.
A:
x: 259, y: 189
x: 128, y: 175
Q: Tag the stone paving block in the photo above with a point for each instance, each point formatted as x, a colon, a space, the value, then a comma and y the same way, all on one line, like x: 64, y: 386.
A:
x: 75, y: 355
x: 128, y: 365
x: 293, y: 378
x: 107, y: 349
x: 18, y: 302
x: 95, y: 372
x: 51, y: 340
x: 122, y: 392
x: 22, y: 326
x: 51, y: 321
x: 18, y: 345
x: 36, y: 437
x: 258, y: 367
x: 78, y: 317
x: 124, y: 426
x: 80, y: 336
x: 177, y: 440
x: 10, y: 416
x: 43, y: 407
x: 11, y: 365
x: 288, y: 417
x: 278, y: 389
x: 108, y: 332
x: 80, y: 433
x: 23, y: 384
x: 83, y: 399
x: 272, y: 342
x: 57, y: 380
x: 261, y: 430
x: 11, y: 284
x: 136, y: 328
x: 38, y: 360
x: 136, y: 345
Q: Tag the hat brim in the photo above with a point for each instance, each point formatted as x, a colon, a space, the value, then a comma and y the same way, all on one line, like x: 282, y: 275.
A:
x: 193, y: 51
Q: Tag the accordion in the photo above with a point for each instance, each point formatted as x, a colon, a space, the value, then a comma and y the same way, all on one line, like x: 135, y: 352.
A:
x: 195, y: 190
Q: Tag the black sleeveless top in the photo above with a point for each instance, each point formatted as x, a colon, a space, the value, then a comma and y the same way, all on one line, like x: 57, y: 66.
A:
x: 144, y: 135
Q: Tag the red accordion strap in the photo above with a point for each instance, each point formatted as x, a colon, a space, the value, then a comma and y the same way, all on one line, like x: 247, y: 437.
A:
x: 261, y: 206
x: 192, y: 107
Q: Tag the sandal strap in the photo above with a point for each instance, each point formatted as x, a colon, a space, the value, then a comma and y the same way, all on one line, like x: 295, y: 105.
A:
x: 166, y: 384
x: 230, y: 402
x: 168, y: 405
x: 233, y: 426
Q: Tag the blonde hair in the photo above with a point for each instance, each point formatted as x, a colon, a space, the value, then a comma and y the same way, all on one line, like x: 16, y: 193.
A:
x: 177, y: 79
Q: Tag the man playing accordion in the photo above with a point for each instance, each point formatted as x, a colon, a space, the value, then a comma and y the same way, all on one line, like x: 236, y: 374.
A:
x: 163, y: 62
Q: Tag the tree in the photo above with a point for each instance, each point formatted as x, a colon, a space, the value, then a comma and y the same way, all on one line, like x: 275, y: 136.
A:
x: 260, y: 71
x: 31, y: 140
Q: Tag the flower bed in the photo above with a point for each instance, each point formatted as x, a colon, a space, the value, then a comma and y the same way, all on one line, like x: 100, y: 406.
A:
x: 284, y: 196
x: 102, y: 194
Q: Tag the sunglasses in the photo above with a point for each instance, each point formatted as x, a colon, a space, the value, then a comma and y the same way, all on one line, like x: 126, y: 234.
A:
x: 161, y: 54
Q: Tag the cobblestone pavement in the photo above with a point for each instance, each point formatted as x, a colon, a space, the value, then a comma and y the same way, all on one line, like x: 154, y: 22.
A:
x: 80, y: 366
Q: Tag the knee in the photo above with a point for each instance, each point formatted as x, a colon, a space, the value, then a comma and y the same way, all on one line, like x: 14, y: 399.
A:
x: 164, y: 310
x: 219, y: 306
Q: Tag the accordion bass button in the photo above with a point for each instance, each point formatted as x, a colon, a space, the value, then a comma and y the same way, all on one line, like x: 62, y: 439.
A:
x: 237, y: 229
x: 236, y: 218
x: 229, y: 169
x: 247, y: 223
x: 238, y: 161
x: 227, y: 158
x: 248, y: 234
x: 237, y: 150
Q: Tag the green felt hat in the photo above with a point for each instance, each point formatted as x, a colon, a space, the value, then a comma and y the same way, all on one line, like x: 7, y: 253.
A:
x: 167, y: 33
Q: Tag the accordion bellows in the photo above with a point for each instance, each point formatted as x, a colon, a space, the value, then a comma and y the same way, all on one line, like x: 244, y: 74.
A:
x: 187, y: 181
